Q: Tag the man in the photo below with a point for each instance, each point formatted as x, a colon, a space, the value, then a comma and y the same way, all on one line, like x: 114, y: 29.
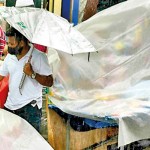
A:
x: 2, y: 42
x: 5, y: 51
x: 26, y: 103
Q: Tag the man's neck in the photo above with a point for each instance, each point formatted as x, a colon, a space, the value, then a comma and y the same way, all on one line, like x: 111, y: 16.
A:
x: 24, y: 52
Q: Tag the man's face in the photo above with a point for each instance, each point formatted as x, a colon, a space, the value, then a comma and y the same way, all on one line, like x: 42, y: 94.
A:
x: 14, y: 47
x: 12, y: 42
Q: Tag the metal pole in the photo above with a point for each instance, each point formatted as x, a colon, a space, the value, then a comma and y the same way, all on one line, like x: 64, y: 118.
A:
x: 42, y: 3
x: 24, y: 75
x: 68, y: 134
x: 4, y: 2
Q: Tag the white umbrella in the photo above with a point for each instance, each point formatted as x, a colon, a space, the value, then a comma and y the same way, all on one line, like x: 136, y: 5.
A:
x: 17, y: 134
x: 43, y: 27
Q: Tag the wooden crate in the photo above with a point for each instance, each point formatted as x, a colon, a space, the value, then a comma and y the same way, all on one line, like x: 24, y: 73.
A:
x: 1, y: 4
x: 62, y: 137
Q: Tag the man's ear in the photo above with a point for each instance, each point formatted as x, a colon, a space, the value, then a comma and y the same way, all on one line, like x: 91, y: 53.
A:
x: 21, y: 43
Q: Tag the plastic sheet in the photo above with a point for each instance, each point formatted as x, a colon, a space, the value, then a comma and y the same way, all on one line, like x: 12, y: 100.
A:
x: 114, y: 82
x: 17, y: 134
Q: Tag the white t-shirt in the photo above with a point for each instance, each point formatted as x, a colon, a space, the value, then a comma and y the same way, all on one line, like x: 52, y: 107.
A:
x: 32, y: 90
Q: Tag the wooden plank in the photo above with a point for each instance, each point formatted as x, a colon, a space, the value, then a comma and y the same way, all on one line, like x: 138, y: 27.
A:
x: 49, y: 126
x: 57, y: 132
x: 66, y: 9
x: 57, y: 7
x: 1, y: 4
x: 37, y: 3
x: 10, y: 3
x: 90, y: 9
x: 51, y: 5
x: 75, y: 12
x: 71, y: 9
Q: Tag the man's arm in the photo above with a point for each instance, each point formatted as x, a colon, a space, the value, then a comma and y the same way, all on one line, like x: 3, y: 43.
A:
x: 42, y: 79
x: 1, y: 77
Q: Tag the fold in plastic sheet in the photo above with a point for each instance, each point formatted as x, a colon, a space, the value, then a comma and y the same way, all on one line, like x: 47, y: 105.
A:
x: 114, y: 83
x: 17, y: 134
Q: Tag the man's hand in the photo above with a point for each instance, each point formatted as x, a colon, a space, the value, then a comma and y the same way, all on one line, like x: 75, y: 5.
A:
x: 28, y: 69
x: 42, y: 79
x: 1, y: 77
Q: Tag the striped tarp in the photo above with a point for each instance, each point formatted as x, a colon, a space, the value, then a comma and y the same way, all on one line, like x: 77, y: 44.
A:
x: 2, y: 41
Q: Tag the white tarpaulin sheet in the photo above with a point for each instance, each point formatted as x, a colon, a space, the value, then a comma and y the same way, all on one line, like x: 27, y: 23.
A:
x: 18, y: 134
x: 114, y: 83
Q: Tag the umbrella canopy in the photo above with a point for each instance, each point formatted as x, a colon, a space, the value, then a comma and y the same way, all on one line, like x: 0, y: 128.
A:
x: 43, y: 27
x: 18, y: 134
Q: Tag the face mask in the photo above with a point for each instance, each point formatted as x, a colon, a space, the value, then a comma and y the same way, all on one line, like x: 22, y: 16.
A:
x: 15, y: 51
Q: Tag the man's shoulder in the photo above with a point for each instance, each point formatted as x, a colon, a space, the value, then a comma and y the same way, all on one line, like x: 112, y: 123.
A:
x: 9, y: 56
x: 37, y: 52
x: 1, y: 62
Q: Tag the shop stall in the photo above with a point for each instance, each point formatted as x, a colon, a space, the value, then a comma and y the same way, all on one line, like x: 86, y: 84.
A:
x: 74, y: 133
x: 111, y: 83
